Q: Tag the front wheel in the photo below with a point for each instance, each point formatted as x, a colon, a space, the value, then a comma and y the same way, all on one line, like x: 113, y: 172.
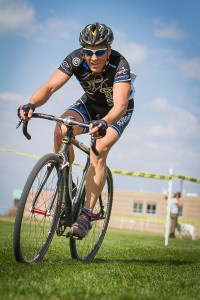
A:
x: 38, y: 211
x: 87, y: 248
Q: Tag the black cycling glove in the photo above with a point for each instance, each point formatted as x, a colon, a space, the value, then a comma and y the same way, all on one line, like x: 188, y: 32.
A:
x: 26, y: 109
x: 102, y: 126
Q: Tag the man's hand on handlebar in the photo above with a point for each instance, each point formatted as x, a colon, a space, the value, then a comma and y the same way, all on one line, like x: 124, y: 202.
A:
x: 25, y: 112
x: 98, y: 128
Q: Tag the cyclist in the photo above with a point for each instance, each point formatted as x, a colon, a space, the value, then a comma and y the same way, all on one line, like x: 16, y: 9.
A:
x: 107, y: 105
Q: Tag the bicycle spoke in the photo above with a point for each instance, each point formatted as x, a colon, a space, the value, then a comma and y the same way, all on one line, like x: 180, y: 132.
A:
x: 38, y: 211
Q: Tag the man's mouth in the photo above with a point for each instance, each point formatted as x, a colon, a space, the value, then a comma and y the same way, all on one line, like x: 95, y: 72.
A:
x: 94, y: 64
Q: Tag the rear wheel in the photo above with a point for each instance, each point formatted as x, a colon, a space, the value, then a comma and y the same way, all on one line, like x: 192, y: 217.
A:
x: 38, y: 211
x: 87, y: 248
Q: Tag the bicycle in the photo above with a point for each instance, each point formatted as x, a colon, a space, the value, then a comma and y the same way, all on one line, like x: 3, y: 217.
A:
x: 51, y: 201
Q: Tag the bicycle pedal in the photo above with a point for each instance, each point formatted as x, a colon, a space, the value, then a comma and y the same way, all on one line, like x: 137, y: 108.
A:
x: 69, y: 235
x: 61, y: 235
x: 76, y: 237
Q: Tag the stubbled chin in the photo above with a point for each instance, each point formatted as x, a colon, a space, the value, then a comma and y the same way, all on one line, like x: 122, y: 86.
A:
x: 95, y: 68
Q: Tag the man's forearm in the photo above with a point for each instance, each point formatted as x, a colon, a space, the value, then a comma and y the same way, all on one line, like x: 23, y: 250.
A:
x: 41, y: 96
x: 115, y: 114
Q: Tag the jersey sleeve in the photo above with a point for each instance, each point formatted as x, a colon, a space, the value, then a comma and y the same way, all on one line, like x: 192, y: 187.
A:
x: 66, y: 66
x: 71, y: 63
x: 122, y: 72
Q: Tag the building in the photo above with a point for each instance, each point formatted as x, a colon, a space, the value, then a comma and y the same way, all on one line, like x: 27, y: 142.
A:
x: 144, y: 211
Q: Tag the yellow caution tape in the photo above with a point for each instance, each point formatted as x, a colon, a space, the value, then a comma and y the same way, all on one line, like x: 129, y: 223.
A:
x: 31, y: 155
x: 78, y: 165
x: 195, y: 180
x: 121, y: 172
x: 20, y: 153
x: 140, y: 174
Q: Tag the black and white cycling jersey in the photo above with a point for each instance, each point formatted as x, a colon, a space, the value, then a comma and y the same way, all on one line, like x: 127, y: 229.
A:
x: 98, y: 87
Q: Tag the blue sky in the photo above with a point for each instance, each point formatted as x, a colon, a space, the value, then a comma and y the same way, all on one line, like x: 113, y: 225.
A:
x: 160, y: 39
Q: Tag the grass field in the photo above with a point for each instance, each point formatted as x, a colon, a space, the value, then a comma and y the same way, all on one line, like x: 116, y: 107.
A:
x: 128, y: 266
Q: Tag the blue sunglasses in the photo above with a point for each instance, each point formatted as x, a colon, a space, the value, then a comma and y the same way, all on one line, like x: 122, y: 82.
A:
x: 98, y: 52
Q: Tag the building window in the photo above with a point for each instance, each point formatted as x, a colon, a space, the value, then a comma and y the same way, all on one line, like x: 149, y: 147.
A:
x: 151, y: 208
x: 137, y: 207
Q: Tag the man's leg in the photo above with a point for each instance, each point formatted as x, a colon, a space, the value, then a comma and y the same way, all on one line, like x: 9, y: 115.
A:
x: 173, y: 225
x: 95, y: 181
x: 96, y: 174
x: 60, y: 130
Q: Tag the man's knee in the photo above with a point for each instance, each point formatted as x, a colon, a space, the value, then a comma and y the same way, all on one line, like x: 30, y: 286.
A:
x: 58, y: 132
x: 103, y: 152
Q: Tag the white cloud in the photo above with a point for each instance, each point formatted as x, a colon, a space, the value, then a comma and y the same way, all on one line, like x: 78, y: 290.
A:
x: 55, y: 29
x: 17, y: 17
x: 10, y: 96
x: 160, y: 103
x: 169, y: 30
x: 190, y: 67
x: 187, y: 67
x: 161, y: 131
x: 186, y: 123
x: 176, y: 122
x: 134, y: 53
x: 151, y: 145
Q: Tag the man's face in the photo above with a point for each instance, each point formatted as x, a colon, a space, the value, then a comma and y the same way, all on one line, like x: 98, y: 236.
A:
x: 96, y: 59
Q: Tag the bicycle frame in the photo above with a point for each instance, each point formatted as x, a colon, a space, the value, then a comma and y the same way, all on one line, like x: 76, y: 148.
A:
x: 63, y: 154
x: 67, y: 140
x: 50, y: 203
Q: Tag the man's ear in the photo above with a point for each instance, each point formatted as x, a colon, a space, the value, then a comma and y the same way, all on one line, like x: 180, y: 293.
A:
x: 83, y: 54
x: 109, y: 50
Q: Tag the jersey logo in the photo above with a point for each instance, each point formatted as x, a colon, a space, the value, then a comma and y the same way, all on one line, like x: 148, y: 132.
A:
x: 122, y: 72
x: 108, y: 92
x: 65, y: 66
x: 98, y: 84
x: 76, y: 61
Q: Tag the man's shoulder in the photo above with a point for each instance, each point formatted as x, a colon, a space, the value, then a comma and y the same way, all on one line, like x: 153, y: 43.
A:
x: 115, y: 52
x: 72, y: 62
x: 76, y: 58
x: 77, y: 53
x: 117, y: 59
x: 117, y: 55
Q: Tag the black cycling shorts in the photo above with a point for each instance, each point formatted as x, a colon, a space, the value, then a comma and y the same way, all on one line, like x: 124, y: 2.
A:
x: 90, y: 112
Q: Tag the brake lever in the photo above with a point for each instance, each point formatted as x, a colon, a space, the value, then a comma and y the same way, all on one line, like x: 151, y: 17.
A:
x: 25, y: 131
x: 19, y: 124
x: 93, y: 145
x: 25, y: 125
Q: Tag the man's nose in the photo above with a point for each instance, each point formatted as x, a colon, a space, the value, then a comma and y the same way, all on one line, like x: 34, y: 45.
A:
x: 94, y: 56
